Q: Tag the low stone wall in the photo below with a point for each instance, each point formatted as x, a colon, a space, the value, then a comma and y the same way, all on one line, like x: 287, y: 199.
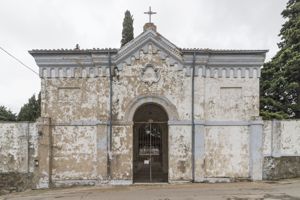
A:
x: 19, y: 160
x: 281, y: 149
x: 281, y: 167
x: 15, y: 182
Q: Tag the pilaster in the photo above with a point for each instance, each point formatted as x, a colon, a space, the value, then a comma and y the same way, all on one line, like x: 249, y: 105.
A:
x: 199, y: 153
x: 43, y: 163
x: 256, y: 144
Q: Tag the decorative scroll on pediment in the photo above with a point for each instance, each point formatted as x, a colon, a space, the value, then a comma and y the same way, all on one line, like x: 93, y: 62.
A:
x: 149, y: 74
x: 148, y: 52
x: 148, y: 44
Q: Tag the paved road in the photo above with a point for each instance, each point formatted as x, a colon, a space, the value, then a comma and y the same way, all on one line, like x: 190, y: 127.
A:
x: 286, y: 190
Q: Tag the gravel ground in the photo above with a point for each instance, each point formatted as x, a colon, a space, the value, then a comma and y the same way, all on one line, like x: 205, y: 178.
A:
x: 284, y: 189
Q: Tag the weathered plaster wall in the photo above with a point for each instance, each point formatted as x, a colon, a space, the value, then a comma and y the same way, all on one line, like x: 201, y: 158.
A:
x: 18, y: 146
x: 282, y: 138
x: 290, y: 137
x: 75, y: 153
x: 230, y: 99
x: 18, y: 150
x: 228, y: 104
x: 171, y: 84
x: 79, y: 110
x: 180, y: 149
x: 75, y: 100
x: 122, y: 153
x: 281, y: 149
x: 267, y: 138
x: 227, y: 151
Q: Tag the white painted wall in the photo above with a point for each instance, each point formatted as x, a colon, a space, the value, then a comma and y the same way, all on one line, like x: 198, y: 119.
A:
x: 281, y: 138
x: 226, y: 151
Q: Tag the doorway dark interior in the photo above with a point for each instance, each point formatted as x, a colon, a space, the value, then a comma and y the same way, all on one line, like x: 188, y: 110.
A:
x: 150, y: 144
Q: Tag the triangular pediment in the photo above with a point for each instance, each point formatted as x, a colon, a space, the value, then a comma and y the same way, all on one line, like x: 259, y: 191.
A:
x: 149, y: 40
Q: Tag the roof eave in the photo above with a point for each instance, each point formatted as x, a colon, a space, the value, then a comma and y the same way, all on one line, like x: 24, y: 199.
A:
x: 225, y: 51
x: 71, y: 51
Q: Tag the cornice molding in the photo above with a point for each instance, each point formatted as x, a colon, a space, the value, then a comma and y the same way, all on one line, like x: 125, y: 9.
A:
x: 94, y: 63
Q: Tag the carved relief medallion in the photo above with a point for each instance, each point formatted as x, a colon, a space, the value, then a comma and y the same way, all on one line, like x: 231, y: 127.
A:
x: 149, y: 74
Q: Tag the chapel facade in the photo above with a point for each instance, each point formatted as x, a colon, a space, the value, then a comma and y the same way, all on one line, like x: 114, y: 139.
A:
x: 149, y: 112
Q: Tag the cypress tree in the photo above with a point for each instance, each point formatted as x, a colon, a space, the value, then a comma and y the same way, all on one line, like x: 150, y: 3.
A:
x: 31, y: 110
x: 280, y: 82
x: 6, y: 114
x: 127, y: 32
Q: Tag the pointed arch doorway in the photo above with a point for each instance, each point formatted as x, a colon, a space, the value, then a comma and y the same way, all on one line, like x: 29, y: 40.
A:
x: 150, y: 144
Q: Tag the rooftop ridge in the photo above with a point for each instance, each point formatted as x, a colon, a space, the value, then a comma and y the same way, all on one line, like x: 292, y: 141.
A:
x: 224, y: 50
x: 115, y: 50
x: 72, y: 50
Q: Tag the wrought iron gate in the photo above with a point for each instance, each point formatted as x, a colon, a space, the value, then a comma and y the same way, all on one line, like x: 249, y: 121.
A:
x: 148, y: 158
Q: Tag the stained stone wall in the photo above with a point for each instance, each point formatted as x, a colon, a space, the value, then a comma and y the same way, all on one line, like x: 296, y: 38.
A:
x: 15, y: 182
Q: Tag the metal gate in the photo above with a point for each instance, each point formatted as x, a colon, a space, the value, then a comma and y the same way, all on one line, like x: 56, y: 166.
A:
x: 148, y: 155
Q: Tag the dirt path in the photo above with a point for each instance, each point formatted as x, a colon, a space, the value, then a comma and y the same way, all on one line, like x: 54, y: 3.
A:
x: 286, y: 190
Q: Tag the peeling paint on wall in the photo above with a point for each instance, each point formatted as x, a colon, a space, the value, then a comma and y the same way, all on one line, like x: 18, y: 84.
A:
x: 75, y: 152
x: 180, y: 159
x: 18, y: 147
x: 227, y: 152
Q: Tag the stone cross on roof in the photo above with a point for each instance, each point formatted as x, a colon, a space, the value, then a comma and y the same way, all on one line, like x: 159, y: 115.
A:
x: 150, y: 13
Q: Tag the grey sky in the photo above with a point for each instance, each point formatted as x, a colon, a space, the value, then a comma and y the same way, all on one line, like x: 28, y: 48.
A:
x: 56, y: 24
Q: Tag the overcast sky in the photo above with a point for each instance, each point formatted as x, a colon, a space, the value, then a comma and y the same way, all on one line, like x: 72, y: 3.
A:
x: 56, y: 24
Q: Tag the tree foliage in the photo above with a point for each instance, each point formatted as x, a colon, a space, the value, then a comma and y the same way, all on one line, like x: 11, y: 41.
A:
x: 127, y: 32
x: 6, y: 114
x: 280, y: 82
x: 31, y: 110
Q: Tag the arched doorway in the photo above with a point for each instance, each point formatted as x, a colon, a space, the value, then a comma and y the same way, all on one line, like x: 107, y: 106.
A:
x: 150, y: 144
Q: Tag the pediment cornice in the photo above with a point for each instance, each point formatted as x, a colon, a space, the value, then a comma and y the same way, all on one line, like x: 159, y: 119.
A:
x: 160, y: 43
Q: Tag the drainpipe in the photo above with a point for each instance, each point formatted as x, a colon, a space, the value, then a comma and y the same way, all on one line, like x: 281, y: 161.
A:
x: 28, y: 149
x: 51, y: 185
x: 109, y: 144
x: 193, y: 117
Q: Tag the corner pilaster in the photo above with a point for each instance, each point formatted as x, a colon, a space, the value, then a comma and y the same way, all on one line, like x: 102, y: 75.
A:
x: 256, y: 145
x: 43, y: 163
x: 199, y: 153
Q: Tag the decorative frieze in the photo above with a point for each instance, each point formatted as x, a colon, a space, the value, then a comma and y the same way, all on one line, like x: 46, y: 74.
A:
x: 224, y: 71
x: 200, y: 71
x: 73, y: 72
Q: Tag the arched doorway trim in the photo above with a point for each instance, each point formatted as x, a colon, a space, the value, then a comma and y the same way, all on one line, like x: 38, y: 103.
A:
x: 150, y: 143
x: 162, y: 101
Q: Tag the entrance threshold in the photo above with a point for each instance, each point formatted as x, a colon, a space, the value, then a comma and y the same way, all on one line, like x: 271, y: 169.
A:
x: 151, y: 183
